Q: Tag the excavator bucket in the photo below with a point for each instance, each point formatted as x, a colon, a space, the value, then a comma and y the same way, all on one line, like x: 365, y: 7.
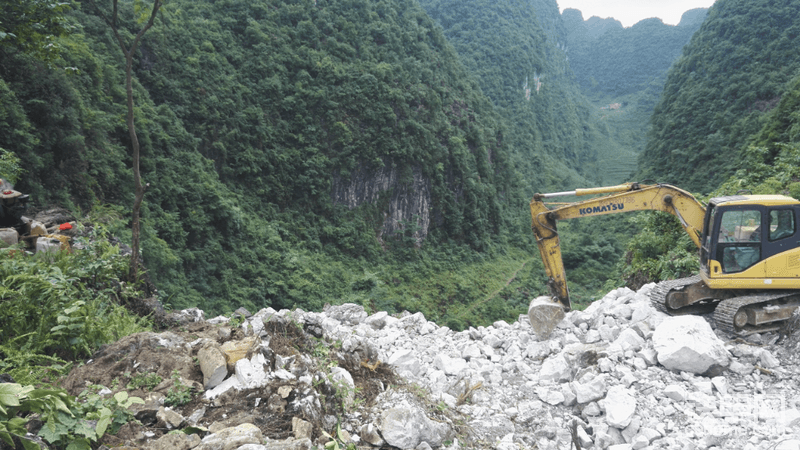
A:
x: 544, y: 314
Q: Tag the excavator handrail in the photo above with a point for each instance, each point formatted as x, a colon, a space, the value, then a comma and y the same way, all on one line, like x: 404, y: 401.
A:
x: 628, y: 197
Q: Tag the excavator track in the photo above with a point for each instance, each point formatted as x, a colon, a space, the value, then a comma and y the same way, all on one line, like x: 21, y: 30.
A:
x: 735, y: 312
x: 736, y: 316
x: 658, y: 297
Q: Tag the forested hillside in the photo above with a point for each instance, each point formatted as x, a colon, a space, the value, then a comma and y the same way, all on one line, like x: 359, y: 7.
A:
x: 732, y: 73
x: 519, y: 53
x: 727, y: 123
x: 516, y: 52
x: 289, y: 146
x: 622, y: 71
x: 301, y: 152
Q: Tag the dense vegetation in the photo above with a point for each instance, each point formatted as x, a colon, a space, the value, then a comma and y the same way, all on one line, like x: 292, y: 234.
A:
x: 610, y: 61
x: 731, y: 74
x: 58, y: 308
x: 254, y: 117
x: 279, y: 135
x: 515, y: 52
x: 560, y: 141
x: 303, y: 152
x: 769, y: 165
x: 739, y: 131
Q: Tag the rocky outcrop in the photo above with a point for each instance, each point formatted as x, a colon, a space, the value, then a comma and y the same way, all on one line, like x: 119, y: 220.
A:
x: 407, y: 204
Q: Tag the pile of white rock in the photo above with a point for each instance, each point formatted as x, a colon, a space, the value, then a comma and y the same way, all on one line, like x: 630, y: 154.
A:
x: 619, y: 375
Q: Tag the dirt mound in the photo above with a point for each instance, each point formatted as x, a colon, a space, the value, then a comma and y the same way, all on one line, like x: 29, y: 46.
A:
x: 163, y: 369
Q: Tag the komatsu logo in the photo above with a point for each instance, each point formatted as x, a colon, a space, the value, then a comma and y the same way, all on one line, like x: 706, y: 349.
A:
x: 602, y: 209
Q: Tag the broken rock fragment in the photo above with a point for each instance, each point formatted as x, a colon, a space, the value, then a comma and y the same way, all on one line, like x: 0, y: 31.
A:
x: 213, y: 365
x: 544, y: 314
x: 687, y: 343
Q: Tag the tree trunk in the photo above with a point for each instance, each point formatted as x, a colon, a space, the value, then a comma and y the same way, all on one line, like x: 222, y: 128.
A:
x: 140, y: 189
x: 133, y: 272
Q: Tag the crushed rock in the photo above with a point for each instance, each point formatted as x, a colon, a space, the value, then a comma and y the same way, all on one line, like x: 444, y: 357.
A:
x: 597, y: 382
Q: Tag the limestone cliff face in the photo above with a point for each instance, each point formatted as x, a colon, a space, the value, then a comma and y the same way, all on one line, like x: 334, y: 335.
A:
x: 409, y: 198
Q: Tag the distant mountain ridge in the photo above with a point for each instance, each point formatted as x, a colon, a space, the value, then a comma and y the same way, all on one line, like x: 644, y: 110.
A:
x: 610, y: 60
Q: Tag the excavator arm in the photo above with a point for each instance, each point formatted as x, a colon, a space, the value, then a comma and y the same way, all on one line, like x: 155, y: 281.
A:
x: 623, y: 198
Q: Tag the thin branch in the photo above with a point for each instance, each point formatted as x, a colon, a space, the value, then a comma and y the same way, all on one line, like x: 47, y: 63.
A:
x: 156, y: 5
x: 113, y: 24
x: 114, y: 15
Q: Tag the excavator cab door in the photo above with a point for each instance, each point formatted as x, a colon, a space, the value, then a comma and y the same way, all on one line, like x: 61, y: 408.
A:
x: 732, y: 236
x: 739, y: 242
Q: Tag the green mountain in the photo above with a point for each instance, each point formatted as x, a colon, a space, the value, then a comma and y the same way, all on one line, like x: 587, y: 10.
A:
x: 610, y: 61
x: 718, y: 94
x: 515, y: 49
x: 622, y: 71
x: 289, y: 145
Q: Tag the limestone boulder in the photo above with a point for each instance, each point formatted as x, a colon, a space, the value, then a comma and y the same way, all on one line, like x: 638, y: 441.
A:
x: 687, y: 343
x: 232, y: 438
x: 620, y: 407
x: 407, y: 426
x: 544, y: 315
x: 213, y: 365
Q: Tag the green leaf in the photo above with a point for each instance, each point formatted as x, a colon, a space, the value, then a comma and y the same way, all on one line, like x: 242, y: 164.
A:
x: 6, y: 437
x: 79, y: 444
x: 61, y: 406
x: 121, y: 396
x: 53, y: 432
x: 132, y: 400
x: 103, y: 422
x: 84, y: 429
x: 195, y: 430
x: 76, y: 306
x: 29, y: 445
x: 124, y: 401
x: 16, y: 426
x: 8, y: 394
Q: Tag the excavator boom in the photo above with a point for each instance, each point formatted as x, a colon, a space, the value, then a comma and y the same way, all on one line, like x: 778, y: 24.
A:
x: 623, y: 198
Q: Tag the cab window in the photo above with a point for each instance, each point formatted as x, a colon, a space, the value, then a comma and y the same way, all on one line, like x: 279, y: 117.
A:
x: 781, y: 224
x: 739, y: 240
x: 712, y: 212
x: 740, y: 226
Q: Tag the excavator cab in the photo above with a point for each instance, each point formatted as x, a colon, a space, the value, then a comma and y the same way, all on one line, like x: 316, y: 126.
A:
x: 746, y: 238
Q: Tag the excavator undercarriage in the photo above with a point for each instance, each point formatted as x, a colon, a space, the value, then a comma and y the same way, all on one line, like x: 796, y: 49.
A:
x: 740, y: 312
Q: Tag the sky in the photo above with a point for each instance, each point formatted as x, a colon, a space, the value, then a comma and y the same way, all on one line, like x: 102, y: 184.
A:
x: 631, y: 11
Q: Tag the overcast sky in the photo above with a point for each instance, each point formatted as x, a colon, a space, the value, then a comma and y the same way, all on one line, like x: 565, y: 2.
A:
x: 631, y: 11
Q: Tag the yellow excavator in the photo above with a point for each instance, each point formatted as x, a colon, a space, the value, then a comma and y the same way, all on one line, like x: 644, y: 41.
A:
x: 749, y: 253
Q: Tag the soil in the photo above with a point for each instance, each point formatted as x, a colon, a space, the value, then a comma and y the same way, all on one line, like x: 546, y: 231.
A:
x: 169, y: 353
